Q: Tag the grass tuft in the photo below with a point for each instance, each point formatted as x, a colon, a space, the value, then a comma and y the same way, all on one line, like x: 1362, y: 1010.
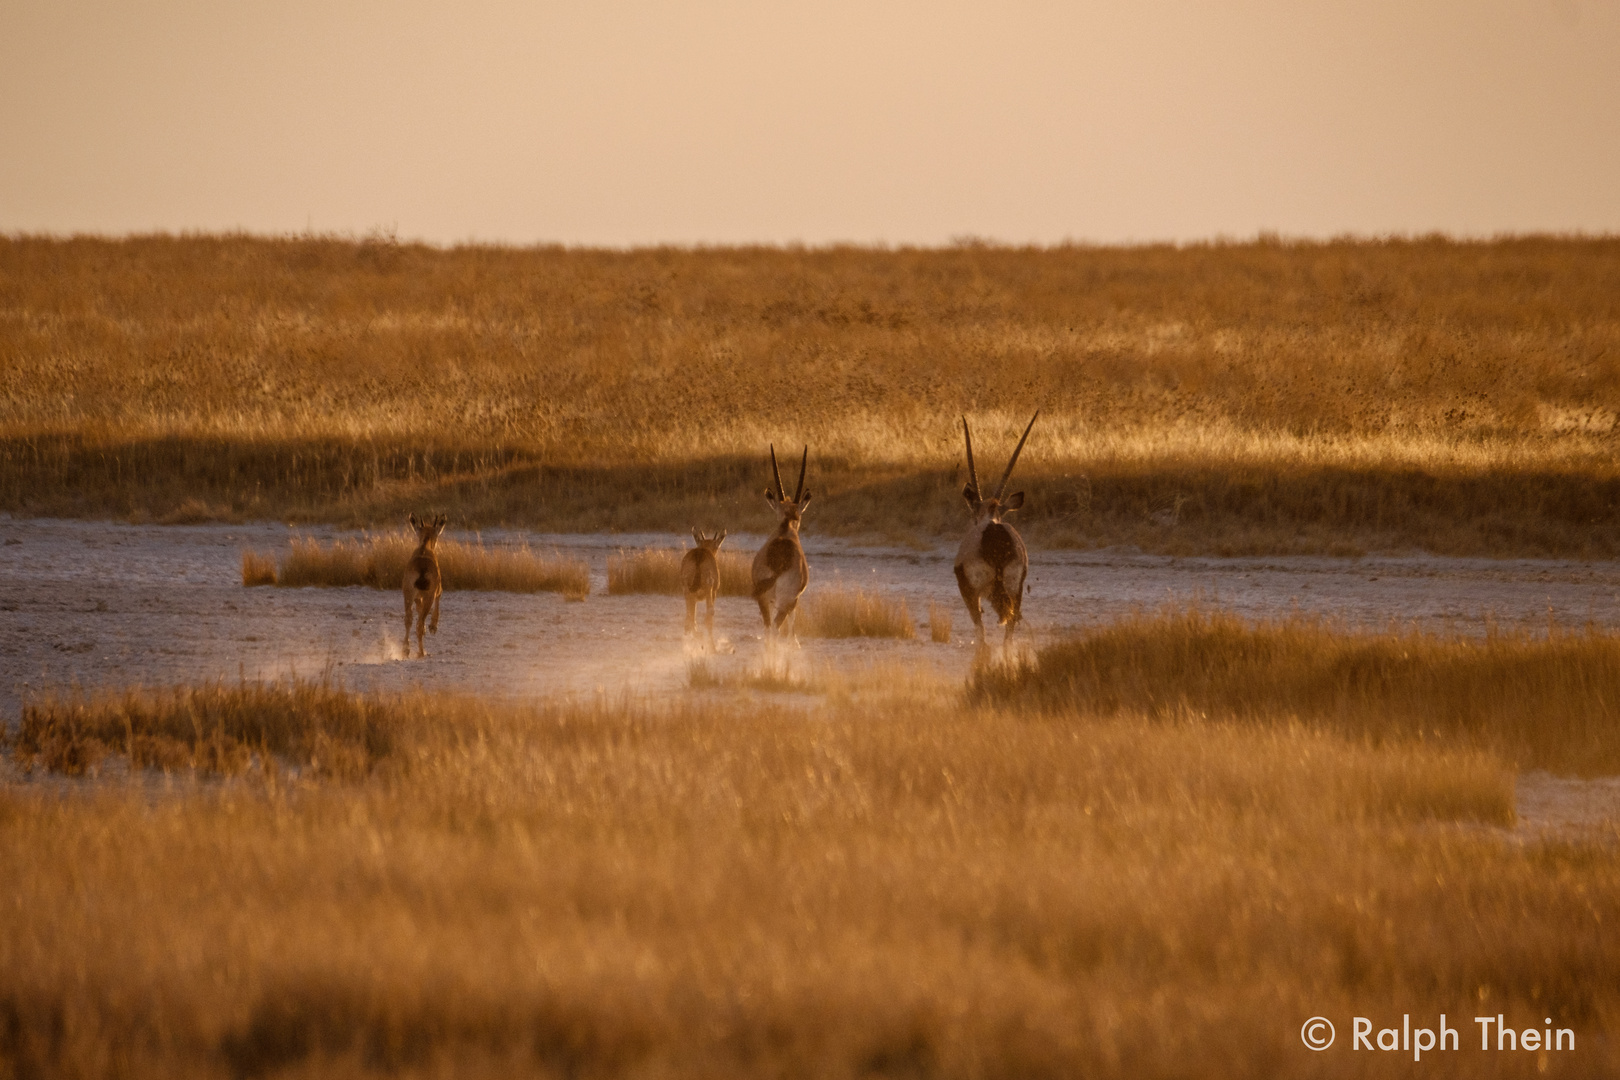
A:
x: 1542, y: 701
x: 842, y: 612
x: 257, y: 569
x: 211, y: 729
x: 939, y: 622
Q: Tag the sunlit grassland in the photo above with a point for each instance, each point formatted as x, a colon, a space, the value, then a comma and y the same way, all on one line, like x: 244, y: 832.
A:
x: 1330, y: 397
x: 379, y: 561
x: 835, y: 887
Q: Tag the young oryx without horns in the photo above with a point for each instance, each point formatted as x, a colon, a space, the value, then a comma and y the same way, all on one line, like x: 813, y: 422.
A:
x: 700, y: 579
x: 780, y: 572
x: 992, y: 562
x: 422, y: 583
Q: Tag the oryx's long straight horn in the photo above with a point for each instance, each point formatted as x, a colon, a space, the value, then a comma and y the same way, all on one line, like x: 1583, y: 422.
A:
x: 780, y: 494
x: 804, y: 463
x: 1014, y: 459
x: 973, y: 474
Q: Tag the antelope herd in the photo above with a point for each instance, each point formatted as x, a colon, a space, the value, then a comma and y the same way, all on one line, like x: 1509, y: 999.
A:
x: 991, y: 561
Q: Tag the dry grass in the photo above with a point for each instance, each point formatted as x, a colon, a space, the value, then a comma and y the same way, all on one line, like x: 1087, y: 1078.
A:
x: 212, y: 729
x: 939, y: 622
x: 257, y: 569
x: 1550, y: 701
x: 1326, y: 397
x: 658, y: 570
x: 608, y: 888
x: 838, y: 611
x: 379, y: 561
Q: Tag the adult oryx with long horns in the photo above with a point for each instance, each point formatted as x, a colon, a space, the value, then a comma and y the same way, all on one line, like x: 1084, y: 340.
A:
x: 779, y: 571
x: 991, y: 561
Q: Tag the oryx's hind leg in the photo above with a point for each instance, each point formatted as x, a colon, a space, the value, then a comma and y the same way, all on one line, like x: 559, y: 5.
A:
x: 970, y: 596
x: 433, y: 627
x: 409, y: 611
x: 788, y: 610
x: 691, y: 612
x: 1009, y: 597
x: 421, y: 626
x: 764, y: 595
x: 708, y: 621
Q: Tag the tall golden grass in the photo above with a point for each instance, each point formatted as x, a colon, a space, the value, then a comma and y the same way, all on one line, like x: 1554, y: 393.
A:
x: 1339, y: 396
x: 658, y: 570
x: 617, y: 888
x: 839, y: 611
x: 379, y: 560
x: 1550, y: 701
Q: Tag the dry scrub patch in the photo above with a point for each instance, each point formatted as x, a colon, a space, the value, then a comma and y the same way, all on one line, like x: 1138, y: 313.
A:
x: 839, y: 611
x: 211, y: 729
x: 1320, y: 397
x: 708, y: 890
x: 257, y: 569
x: 658, y: 570
x: 1541, y: 701
x: 379, y: 561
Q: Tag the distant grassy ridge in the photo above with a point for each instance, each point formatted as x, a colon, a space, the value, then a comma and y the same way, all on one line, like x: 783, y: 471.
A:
x: 379, y: 561
x: 1460, y: 397
x: 1550, y: 702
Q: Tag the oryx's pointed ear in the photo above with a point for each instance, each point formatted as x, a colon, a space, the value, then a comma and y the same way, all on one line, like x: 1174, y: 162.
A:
x: 970, y: 494
x: 804, y: 502
x: 1012, y: 502
x: 720, y: 539
x: 697, y: 536
x: 414, y: 525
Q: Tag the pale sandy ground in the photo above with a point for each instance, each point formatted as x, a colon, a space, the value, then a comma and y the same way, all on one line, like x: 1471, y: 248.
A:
x: 96, y: 604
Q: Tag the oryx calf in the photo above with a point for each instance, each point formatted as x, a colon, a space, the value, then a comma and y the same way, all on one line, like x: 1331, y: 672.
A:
x: 700, y: 579
x: 779, y: 571
x: 991, y: 561
x: 422, y: 583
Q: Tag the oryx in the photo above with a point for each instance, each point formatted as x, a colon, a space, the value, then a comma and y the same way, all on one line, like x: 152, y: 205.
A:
x: 779, y: 571
x: 700, y: 579
x: 422, y: 583
x: 991, y: 561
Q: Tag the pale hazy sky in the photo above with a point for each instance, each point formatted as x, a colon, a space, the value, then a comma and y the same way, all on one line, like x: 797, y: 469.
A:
x: 603, y: 122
